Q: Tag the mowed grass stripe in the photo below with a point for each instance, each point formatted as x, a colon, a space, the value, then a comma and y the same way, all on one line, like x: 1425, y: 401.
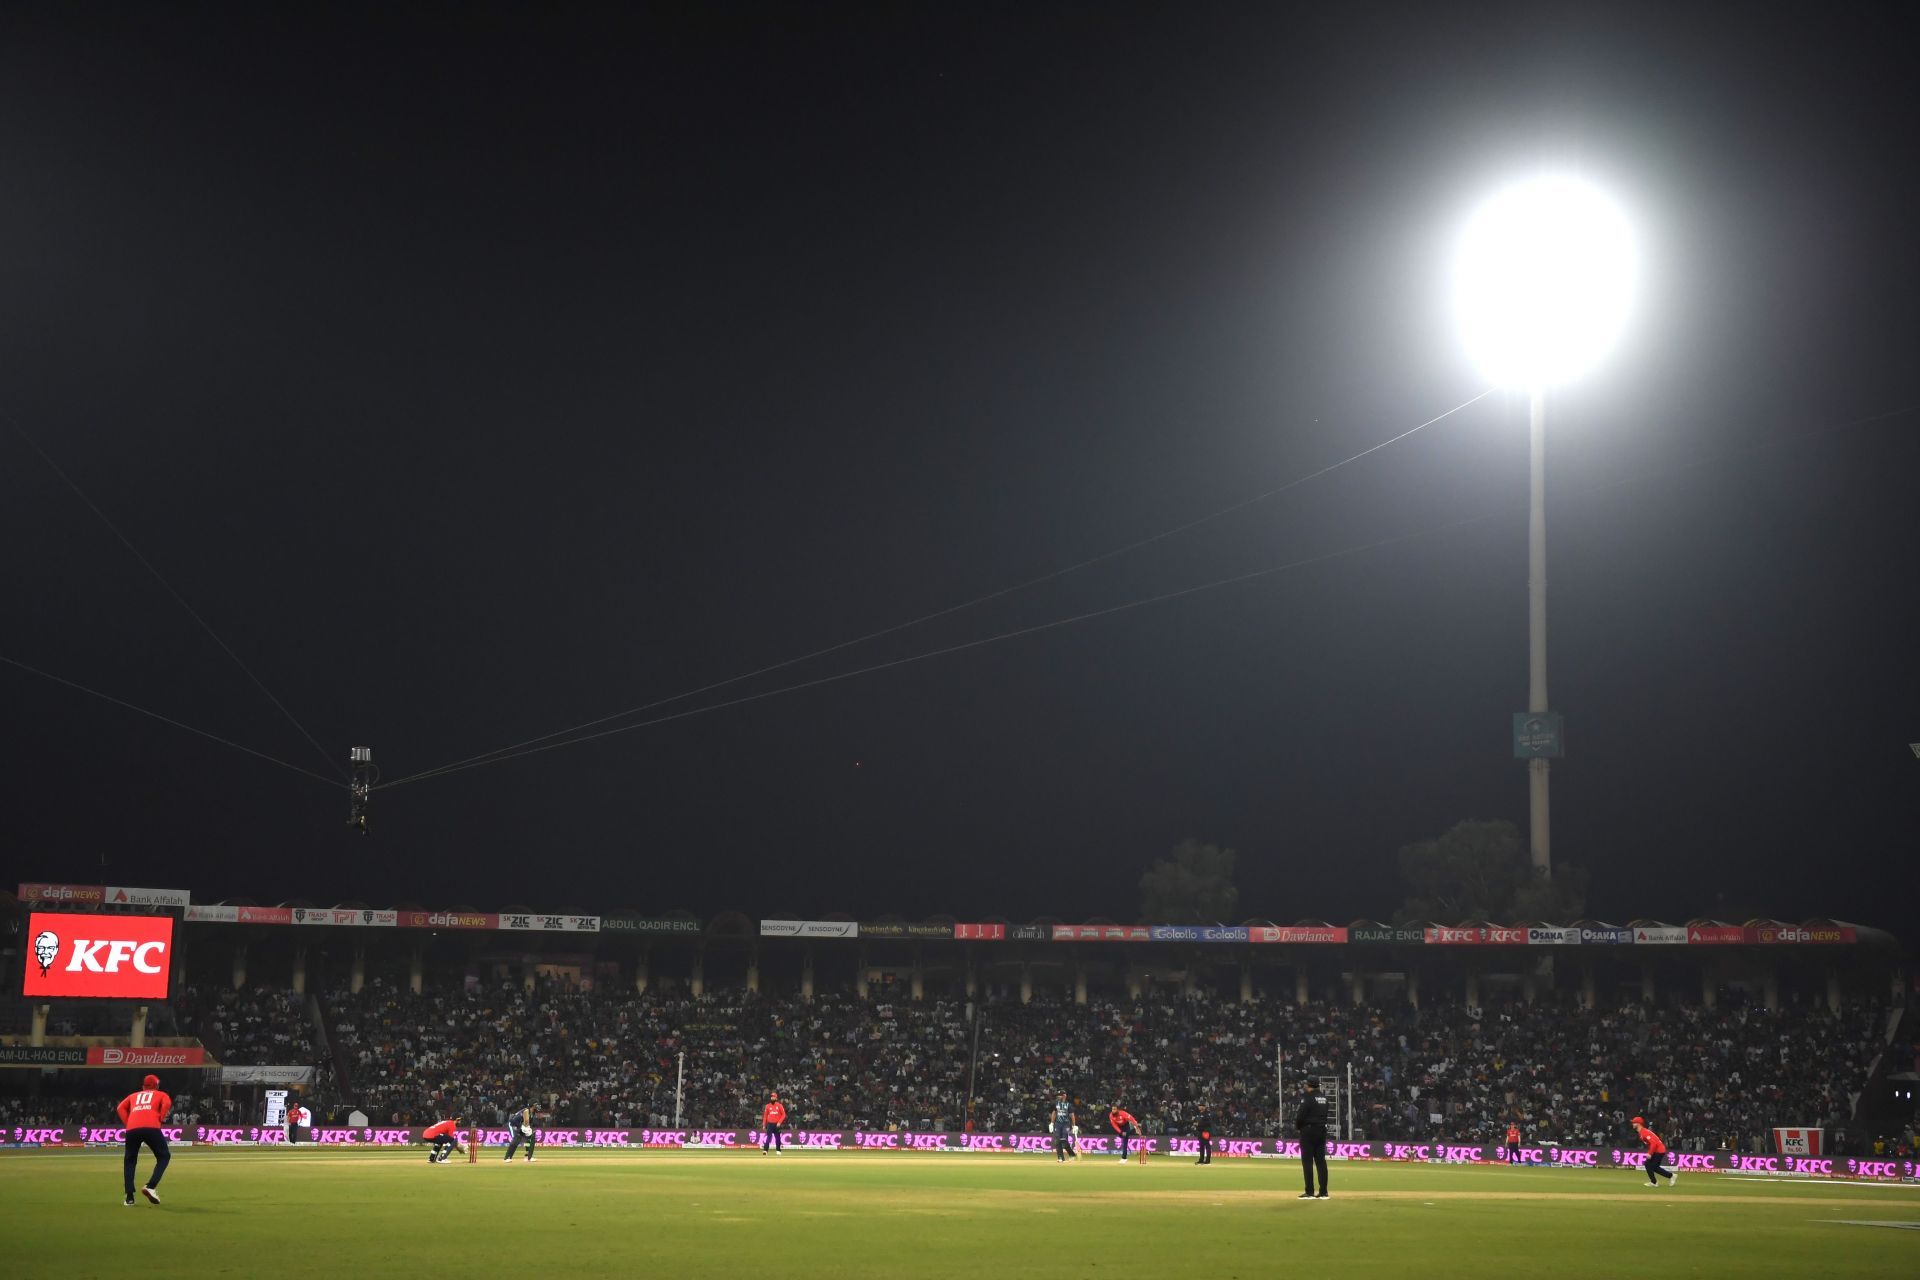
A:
x: 325, y: 1213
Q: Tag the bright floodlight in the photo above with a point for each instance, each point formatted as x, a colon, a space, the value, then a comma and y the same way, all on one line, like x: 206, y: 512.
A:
x: 1543, y: 281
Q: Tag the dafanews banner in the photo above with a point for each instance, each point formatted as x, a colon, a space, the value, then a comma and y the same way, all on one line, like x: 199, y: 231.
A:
x: 108, y: 957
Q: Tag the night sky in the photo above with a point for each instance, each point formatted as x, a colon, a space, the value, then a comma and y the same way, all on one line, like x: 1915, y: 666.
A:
x: 480, y: 371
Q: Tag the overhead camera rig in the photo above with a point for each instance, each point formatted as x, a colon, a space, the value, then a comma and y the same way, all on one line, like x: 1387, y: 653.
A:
x: 360, y: 786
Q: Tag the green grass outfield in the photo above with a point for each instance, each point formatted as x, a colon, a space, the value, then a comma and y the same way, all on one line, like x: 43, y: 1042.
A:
x: 329, y: 1212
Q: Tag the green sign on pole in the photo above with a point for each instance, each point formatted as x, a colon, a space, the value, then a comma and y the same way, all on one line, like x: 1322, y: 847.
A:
x: 1538, y: 735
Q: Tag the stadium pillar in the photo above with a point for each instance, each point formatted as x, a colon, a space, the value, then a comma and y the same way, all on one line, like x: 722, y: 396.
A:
x: 860, y: 973
x: 753, y: 971
x: 806, y: 974
x: 1709, y: 990
x: 137, y: 1034
x: 1300, y: 986
x: 697, y: 982
x: 1833, y: 991
x: 1413, y: 986
x: 417, y: 968
x: 1079, y: 980
x: 300, y: 969
x: 1473, y: 991
x: 1359, y: 988
x: 917, y: 984
x: 1586, y: 985
x: 1646, y: 984
x: 239, y: 965
x: 1246, y: 981
x: 1529, y: 988
x: 1770, y: 990
x: 37, y: 1029
x: 1133, y: 984
x: 973, y: 981
x: 357, y: 977
x: 1026, y: 984
x: 642, y: 972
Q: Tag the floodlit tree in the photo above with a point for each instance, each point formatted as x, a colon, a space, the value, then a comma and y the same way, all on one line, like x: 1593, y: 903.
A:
x: 1193, y: 886
x: 1480, y: 870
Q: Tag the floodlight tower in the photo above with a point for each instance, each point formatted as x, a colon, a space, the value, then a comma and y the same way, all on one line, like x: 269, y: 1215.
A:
x: 1543, y: 282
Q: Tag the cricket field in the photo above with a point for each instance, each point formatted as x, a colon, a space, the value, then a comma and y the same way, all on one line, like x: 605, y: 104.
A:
x: 327, y: 1212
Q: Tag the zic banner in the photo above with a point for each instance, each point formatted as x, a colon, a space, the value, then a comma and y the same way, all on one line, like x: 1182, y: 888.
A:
x: 550, y: 924
x: 1031, y: 1143
x: 98, y: 956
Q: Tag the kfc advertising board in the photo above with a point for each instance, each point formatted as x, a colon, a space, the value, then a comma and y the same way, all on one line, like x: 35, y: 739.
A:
x: 98, y: 956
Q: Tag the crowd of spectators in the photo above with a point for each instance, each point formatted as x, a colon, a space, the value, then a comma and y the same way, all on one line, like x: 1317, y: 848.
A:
x: 614, y: 1060
x: 1704, y: 1077
x: 251, y: 1026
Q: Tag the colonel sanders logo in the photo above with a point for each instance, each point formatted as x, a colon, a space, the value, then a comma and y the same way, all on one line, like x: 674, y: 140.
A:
x: 46, y: 948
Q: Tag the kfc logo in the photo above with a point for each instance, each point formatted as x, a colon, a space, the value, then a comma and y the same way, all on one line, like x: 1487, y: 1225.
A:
x: 103, y: 957
x: 46, y: 948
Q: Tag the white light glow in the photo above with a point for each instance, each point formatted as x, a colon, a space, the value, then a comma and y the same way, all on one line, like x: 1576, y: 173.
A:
x: 1543, y: 282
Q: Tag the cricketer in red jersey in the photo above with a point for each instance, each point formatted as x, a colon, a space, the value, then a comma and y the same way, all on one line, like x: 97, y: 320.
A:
x: 1513, y: 1144
x: 1124, y: 1126
x: 773, y: 1119
x: 142, y: 1112
x: 445, y: 1137
x: 1656, y: 1154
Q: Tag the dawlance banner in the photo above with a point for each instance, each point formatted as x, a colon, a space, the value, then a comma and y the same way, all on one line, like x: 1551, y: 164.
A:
x: 98, y: 956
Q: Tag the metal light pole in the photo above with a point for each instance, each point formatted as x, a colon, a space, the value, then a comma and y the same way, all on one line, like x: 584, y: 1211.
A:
x: 1544, y: 279
x: 1539, y: 841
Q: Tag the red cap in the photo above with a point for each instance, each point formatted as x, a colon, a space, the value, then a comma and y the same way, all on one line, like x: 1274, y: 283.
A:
x: 1638, y: 1120
x: 151, y: 1082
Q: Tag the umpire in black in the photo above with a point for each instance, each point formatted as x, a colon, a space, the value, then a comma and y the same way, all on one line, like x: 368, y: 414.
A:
x: 1203, y: 1126
x: 1310, y: 1122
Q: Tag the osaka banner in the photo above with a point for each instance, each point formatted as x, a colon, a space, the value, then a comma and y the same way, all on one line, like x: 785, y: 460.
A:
x: 98, y: 956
